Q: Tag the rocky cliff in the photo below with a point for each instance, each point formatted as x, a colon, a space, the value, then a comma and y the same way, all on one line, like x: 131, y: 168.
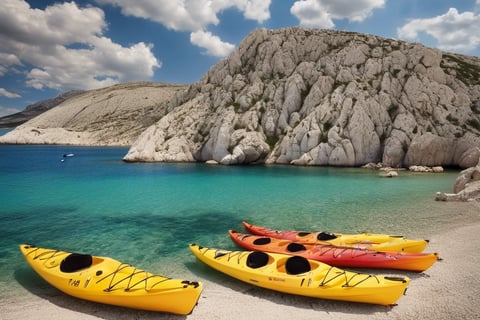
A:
x: 316, y: 97
x: 115, y: 115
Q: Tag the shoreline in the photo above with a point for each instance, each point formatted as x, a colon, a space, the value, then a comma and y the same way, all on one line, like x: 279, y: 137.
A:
x: 447, y: 290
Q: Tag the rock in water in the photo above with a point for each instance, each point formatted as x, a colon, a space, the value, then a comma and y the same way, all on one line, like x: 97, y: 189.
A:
x: 467, y: 186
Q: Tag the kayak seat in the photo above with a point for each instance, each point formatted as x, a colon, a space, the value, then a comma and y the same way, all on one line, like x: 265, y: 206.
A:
x: 324, y: 236
x: 75, y: 262
x: 297, y: 265
x: 303, y: 234
x: 295, y: 247
x: 257, y: 259
x: 262, y: 241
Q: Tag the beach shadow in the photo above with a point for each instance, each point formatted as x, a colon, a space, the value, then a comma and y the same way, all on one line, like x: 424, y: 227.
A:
x: 203, y: 271
x: 32, y: 282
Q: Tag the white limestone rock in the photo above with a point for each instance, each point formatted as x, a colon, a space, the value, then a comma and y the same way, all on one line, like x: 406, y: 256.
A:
x: 466, y: 188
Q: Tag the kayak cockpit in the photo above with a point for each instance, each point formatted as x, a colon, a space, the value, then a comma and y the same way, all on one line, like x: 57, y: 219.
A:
x: 76, y: 262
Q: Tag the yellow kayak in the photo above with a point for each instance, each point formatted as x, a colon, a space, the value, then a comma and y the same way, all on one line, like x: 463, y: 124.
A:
x: 370, y: 241
x: 108, y: 281
x: 300, y: 276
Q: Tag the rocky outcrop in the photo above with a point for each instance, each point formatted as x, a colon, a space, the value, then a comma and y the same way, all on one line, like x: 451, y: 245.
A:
x: 323, y: 97
x: 115, y: 115
x: 467, y: 186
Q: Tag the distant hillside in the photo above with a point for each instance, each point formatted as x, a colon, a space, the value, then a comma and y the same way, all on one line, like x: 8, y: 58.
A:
x: 112, y: 116
x: 35, y: 109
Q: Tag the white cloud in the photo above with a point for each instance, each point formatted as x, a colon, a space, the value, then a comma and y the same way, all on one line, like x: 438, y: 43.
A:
x: 190, y: 15
x: 105, y: 64
x: 452, y: 30
x: 66, y: 46
x: 311, y: 14
x: 213, y: 44
x: 8, y: 94
x: 179, y: 15
x: 321, y: 13
x: 258, y: 10
x: 194, y: 16
x: 7, y: 60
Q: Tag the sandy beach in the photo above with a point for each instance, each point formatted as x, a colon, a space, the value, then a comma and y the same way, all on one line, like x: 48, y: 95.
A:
x: 448, y: 290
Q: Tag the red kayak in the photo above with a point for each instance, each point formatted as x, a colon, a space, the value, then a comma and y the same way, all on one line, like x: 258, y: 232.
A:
x: 371, y: 241
x: 337, y: 256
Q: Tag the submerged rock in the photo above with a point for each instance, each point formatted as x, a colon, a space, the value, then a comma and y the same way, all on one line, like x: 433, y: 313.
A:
x: 389, y: 174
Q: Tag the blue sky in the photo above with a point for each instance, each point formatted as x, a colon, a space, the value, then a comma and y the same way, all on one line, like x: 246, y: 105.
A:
x: 48, y: 47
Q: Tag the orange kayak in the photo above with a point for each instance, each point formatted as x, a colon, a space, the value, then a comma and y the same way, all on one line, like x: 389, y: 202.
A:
x: 372, y: 241
x: 337, y: 256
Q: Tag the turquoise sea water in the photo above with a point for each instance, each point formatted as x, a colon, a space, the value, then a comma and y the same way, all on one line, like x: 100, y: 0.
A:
x: 146, y: 214
x: 5, y: 130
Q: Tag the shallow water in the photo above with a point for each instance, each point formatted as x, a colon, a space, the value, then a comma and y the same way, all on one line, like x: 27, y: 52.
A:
x: 146, y: 214
x: 5, y: 130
